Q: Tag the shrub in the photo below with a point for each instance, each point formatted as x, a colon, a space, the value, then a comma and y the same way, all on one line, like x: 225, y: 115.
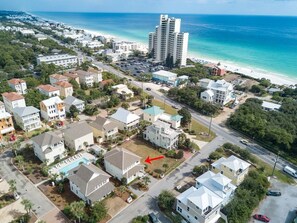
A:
x: 199, y: 170
x: 215, y: 155
x: 170, y: 153
x: 179, y: 154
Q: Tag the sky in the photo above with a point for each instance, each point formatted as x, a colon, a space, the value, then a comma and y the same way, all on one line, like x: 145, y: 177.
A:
x: 241, y: 7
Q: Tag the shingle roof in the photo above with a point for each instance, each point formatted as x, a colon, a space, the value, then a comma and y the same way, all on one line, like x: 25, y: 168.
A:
x: 77, y: 130
x: 12, y: 96
x: 15, y: 81
x: 71, y: 75
x: 58, y: 76
x: 24, y: 111
x: 101, y: 192
x: 154, y: 110
x: 63, y: 84
x: 47, y: 138
x: 88, y: 178
x: 124, y: 116
x: 48, y: 88
x: 103, y: 124
x: 121, y: 158
x: 70, y: 100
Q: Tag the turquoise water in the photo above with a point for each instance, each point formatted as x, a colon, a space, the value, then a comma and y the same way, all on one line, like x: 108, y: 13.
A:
x: 73, y: 165
x: 263, y: 42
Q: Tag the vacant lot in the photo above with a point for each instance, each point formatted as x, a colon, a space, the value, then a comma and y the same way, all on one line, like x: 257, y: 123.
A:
x: 144, y: 149
x: 201, y: 130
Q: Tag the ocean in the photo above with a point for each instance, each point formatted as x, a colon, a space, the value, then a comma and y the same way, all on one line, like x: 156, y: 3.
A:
x: 266, y: 43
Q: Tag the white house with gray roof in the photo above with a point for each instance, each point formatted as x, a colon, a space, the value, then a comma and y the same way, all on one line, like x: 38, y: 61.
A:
x: 217, y: 183
x: 28, y: 118
x: 70, y: 100
x: 78, y: 136
x: 199, y: 205
x: 90, y: 183
x: 122, y: 163
x: 125, y: 120
x: 48, y: 147
x: 161, y: 134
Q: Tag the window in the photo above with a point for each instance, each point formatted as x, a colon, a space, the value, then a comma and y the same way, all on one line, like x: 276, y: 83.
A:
x: 222, y: 172
x: 230, y: 170
x: 188, y: 208
x: 196, y: 218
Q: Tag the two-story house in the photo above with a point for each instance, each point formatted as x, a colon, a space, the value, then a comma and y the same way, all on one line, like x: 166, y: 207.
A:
x: 48, y: 147
x: 89, y: 77
x: 13, y: 100
x: 18, y: 85
x: 125, y: 120
x: 54, y: 78
x: 161, y: 134
x: 65, y: 88
x: 155, y: 113
x: 232, y: 167
x: 90, y: 183
x: 199, y: 205
x: 104, y: 128
x: 73, y: 101
x: 27, y: 118
x: 6, y: 123
x: 78, y: 136
x: 53, y: 109
x: 217, y: 183
x: 48, y: 90
x: 121, y: 163
x: 123, y: 91
x: 72, y: 76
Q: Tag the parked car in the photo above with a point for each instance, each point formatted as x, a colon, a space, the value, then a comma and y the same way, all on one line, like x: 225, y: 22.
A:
x: 178, y: 187
x: 260, y: 217
x: 175, y: 107
x: 244, y: 142
x: 16, y: 196
x: 148, y: 89
x: 153, y: 218
x: 273, y: 193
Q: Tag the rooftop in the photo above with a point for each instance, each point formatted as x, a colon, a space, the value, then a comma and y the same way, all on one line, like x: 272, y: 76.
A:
x: 154, y: 110
x: 70, y: 74
x: 270, y: 105
x: 232, y: 162
x: 52, y: 101
x: 124, y: 116
x: 55, y: 57
x: 12, y: 96
x: 24, y: 111
x: 77, y: 130
x: 47, y: 138
x: 47, y: 88
x: 57, y: 76
x: 63, y: 84
x: 165, y: 73
x: 70, y: 100
x: 16, y: 81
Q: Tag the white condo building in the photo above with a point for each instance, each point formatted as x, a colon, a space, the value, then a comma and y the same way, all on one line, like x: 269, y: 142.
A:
x: 167, y: 40
x: 64, y: 60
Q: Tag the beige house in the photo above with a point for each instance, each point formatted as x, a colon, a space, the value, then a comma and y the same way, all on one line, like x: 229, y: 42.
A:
x: 6, y: 123
x: 48, y: 90
x: 65, y: 88
x: 90, y: 183
x: 104, y: 128
x: 54, y: 78
x: 72, y: 76
x: 123, y: 91
x: 232, y: 167
x: 122, y: 163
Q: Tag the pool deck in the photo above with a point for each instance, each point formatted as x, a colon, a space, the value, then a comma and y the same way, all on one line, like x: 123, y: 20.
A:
x: 56, y: 169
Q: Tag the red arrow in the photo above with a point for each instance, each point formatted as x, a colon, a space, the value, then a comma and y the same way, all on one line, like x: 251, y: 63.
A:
x: 149, y: 160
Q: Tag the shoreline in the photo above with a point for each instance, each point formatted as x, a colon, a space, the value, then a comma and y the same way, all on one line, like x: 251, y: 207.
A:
x: 249, y: 71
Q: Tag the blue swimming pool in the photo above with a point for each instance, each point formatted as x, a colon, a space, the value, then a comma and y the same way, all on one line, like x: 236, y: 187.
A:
x: 74, y: 164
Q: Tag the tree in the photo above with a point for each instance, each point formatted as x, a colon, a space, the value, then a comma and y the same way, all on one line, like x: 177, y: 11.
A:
x: 28, y: 205
x: 166, y: 200
x: 74, y: 84
x: 186, y: 116
x: 215, y: 155
x: 199, y: 170
x: 20, y: 161
x: 165, y: 166
x: 146, y: 180
x: 73, y: 111
x: 98, y: 212
x: 140, y: 219
x: 125, y: 105
x: 179, y: 154
x: 77, y: 210
x: 12, y: 186
x: 124, y: 181
x: 34, y: 97
x: 90, y: 110
x: 122, y: 189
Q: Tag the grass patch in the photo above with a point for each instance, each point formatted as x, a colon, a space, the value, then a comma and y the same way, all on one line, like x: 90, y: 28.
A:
x: 200, y: 129
x: 174, y: 218
x: 144, y: 149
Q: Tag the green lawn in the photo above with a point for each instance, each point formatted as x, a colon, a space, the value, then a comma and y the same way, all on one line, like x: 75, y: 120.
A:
x: 194, y: 124
x: 144, y: 149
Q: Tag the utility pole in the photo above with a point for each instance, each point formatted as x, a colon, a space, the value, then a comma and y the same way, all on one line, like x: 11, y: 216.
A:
x: 275, y: 164
x: 210, y: 125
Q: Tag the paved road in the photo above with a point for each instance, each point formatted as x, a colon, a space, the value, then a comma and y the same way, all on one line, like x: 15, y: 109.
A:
x: 147, y: 203
x: 25, y: 187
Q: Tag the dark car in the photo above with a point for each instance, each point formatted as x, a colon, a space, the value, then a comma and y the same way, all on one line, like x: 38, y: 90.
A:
x: 153, y: 218
x: 175, y: 107
x: 273, y: 193
x: 148, y: 89
x: 260, y: 217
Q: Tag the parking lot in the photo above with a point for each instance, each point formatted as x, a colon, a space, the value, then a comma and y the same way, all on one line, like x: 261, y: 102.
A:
x: 280, y: 209
x: 137, y: 66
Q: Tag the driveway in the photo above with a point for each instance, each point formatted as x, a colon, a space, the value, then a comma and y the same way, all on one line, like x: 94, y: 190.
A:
x: 279, y: 209
x: 24, y: 187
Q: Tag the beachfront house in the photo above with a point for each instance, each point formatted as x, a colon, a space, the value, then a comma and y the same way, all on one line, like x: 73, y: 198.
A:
x: 64, y: 60
x: 217, y: 183
x: 220, y: 91
x: 125, y: 120
x: 27, y: 118
x: 78, y: 136
x: 199, y: 205
x: 122, y: 163
x: 90, y: 183
x: 232, y: 167
x: 73, y: 101
x: 165, y: 77
x: 48, y: 147
x: 6, y: 122
x: 13, y: 100
x: 103, y: 128
x: 162, y: 135
x: 18, y: 85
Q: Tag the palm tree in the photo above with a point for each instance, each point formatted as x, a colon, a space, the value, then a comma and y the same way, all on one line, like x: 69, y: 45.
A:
x: 146, y: 180
x: 122, y: 189
x: 77, y: 209
x: 165, y: 166
x: 20, y: 160
x: 28, y: 205
x: 12, y: 186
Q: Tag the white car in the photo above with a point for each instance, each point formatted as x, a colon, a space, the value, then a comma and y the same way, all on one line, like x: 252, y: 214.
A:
x: 16, y: 196
x: 244, y: 142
